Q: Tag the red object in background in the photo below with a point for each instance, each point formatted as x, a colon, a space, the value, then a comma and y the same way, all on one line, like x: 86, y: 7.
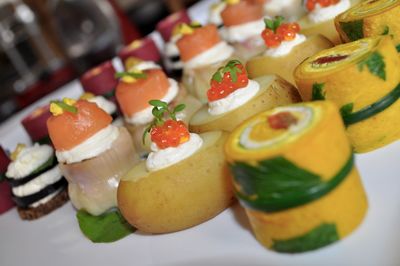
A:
x: 100, y: 80
x: 144, y: 49
x: 35, y: 123
x: 128, y: 29
x: 6, y: 202
x: 45, y: 86
x: 167, y: 25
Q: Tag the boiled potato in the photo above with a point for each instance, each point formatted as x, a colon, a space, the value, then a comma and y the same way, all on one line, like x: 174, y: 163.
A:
x: 285, y: 65
x: 274, y: 91
x: 179, y: 196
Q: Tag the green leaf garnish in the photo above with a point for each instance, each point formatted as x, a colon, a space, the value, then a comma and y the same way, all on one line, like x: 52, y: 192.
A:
x: 273, y: 24
x: 135, y: 75
x: 230, y: 67
x: 385, y: 30
x: 354, y: 30
x: 65, y: 107
x: 346, y: 109
x: 106, y: 228
x: 398, y: 48
x: 318, y: 237
x: 318, y: 92
x: 44, y: 166
x: 160, y: 109
x: 375, y: 64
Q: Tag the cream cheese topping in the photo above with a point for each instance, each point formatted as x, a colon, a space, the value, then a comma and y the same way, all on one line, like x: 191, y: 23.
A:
x: 92, y: 147
x: 241, y: 33
x: 162, y: 158
x: 285, y: 47
x: 218, y: 53
x: 234, y: 100
x: 28, y: 160
x: 108, y: 106
x: 146, y: 116
x: 321, y: 14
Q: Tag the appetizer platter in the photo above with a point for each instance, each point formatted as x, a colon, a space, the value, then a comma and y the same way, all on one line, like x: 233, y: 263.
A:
x: 232, y: 136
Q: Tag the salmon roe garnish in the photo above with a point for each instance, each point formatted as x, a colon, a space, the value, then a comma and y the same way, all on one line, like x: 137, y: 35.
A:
x: 311, y: 4
x: 170, y: 134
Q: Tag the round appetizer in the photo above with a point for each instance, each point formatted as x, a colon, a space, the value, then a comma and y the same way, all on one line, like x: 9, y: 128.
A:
x: 182, y: 183
x: 6, y: 201
x: 35, y: 125
x: 38, y: 186
x: 290, y: 9
x: 370, y: 18
x: 293, y: 172
x: 165, y: 27
x: 320, y: 17
x: 233, y: 98
x: 362, y: 78
x: 145, y: 49
x: 100, y: 80
x: 202, y: 52
x: 243, y: 22
x: 93, y: 154
x: 134, y: 91
x: 286, y: 49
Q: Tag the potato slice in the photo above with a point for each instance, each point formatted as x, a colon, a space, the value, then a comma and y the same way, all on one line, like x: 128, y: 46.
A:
x: 180, y: 196
x: 274, y: 91
x: 284, y: 66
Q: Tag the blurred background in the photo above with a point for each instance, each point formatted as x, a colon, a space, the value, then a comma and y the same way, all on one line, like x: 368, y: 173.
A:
x: 44, y: 44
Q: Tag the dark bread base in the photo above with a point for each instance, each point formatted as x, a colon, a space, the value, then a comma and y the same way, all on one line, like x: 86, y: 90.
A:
x: 34, y: 213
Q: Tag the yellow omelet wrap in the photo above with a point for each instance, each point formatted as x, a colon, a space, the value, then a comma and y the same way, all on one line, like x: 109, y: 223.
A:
x: 370, y: 18
x: 293, y: 171
x: 362, y: 78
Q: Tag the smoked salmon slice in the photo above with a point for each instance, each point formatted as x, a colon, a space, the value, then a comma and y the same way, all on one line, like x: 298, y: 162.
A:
x: 240, y: 13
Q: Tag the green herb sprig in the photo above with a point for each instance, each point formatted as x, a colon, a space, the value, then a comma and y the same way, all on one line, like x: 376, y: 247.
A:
x: 65, y: 107
x: 135, y: 75
x: 273, y: 24
x: 230, y: 67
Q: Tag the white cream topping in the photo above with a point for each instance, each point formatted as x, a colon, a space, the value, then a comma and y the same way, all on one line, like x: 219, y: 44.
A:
x: 38, y: 183
x: 240, y: 33
x: 162, y: 158
x: 146, y: 116
x: 234, y: 100
x: 146, y: 65
x: 321, y: 14
x: 289, y: 9
x: 285, y: 47
x: 218, y: 53
x: 28, y: 160
x: 92, y: 147
x: 215, y: 13
x: 108, y: 106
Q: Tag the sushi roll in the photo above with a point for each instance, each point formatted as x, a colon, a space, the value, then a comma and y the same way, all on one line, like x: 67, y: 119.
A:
x: 93, y: 154
x: 370, y: 18
x: 362, y: 79
x: 293, y: 172
x: 182, y: 183
x: 38, y: 186
x: 100, y: 80
x: 243, y: 22
x: 202, y: 52
x: 286, y: 49
x: 233, y: 98
x: 35, y: 125
x: 165, y: 27
x: 6, y: 201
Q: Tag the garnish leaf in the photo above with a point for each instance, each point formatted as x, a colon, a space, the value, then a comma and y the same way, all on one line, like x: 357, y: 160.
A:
x: 346, y: 109
x: 273, y: 24
x: 398, y: 48
x: 354, y: 30
x: 65, y: 107
x: 217, y: 76
x: 385, y: 30
x: 375, y: 65
x: 318, y: 237
x: 179, y: 108
x: 318, y: 92
x: 106, y: 228
x: 136, y: 75
x: 158, y: 103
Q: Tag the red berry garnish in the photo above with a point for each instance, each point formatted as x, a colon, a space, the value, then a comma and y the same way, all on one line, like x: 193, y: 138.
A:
x: 273, y: 41
x: 286, y: 33
x: 310, y: 5
x: 170, y: 134
x: 294, y: 26
x: 282, y: 120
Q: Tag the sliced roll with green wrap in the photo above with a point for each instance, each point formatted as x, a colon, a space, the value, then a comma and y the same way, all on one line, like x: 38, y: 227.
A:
x: 370, y: 18
x: 362, y: 78
x: 293, y: 171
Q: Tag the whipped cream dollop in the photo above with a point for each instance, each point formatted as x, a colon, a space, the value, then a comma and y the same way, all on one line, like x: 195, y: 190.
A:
x: 240, y: 33
x: 146, y: 116
x: 215, y: 13
x: 162, y: 158
x: 285, y: 47
x: 29, y: 160
x: 321, y: 14
x: 108, y: 106
x: 234, y: 100
x: 218, y: 53
x: 91, y: 147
